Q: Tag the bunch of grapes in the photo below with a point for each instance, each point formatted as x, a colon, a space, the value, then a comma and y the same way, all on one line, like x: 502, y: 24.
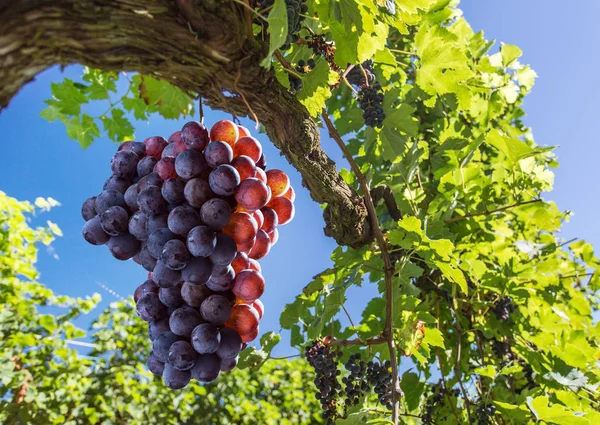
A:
x: 320, y: 46
x: 323, y: 359
x: 356, y: 382
x: 197, y: 212
x: 295, y: 82
x: 502, y: 349
x: 436, y: 397
x: 503, y: 308
x: 484, y: 413
x: 356, y: 76
x: 370, y: 95
x: 295, y: 11
x: 380, y: 376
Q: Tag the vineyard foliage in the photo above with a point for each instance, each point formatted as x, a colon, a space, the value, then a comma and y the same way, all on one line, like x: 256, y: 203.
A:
x: 491, y: 306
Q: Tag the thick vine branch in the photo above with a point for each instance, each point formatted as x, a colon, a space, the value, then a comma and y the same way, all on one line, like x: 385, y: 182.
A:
x: 153, y: 37
x: 388, y: 332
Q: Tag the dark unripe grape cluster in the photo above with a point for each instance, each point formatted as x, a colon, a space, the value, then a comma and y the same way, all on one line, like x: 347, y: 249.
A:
x: 324, y: 361
x: 502, y: 349
x: 503, y: 308
x: 370, y: 100
x: 484, y: 413
x: 356, y: 384
x: 295, y: 8
x: 436, y: 397
x: 356, y: 76
x: 380, y: 377
x: 174, y: 207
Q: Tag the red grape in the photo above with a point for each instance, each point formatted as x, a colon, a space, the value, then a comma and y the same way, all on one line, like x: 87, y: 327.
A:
x: 284, y: 208
x: 248, y: 146
x: 249, y: 337
x: 137, y: 148
x: 270, y: 219
x: 274, y: 236
x: 262, y: 162
x: 290, y: 194
x: 240, y: 262
x: 155, y: 146
x: 249, y: 285
x: 245, y: 247
x: 278, y: 181
x: 166, y: 168
x: 225, y: 131
x: 262, y: 246
x: 254, y: 265
x: 243, y: 319
x: 242, y: 227
x: 194, y: 136
x: 243, y: 131
x: 245, y: 167
x: 261, y: 175
x: 259, y: 306
x: 252, y: 194
x: 258, y: 216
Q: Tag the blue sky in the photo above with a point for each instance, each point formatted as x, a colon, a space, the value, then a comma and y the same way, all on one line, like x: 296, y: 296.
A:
x: 40, y: 160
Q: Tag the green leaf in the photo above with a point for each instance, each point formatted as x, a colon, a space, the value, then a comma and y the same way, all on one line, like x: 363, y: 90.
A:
x: 434, y: 337
x: 278, y: 29
x: 513, y: 149
x: 170, y: 101
x: 510, y: 54
x: 412, y: 387
x: 555, y: 414
x: 118, y: 127
x: 315, y: 88
x: 68, y: 98
x: 83, y: 129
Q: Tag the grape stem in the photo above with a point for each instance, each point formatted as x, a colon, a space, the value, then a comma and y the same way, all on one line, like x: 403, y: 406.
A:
x: 286, y: 64
x: 388, y: 333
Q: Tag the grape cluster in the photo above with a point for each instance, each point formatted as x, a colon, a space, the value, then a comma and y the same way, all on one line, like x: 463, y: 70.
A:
x: 320, y: 46
x: 436, y: 397
x: 370, y: 96
x: 484, y: 413
x: 323, y: 359
x: 380, y: 376
x: 502, y: 349
x: 295, y: 11
x: 356, y: 76
x: 355, y: 383
x: 503, y: 308
x: 197, y: 212
x: 295, y: 82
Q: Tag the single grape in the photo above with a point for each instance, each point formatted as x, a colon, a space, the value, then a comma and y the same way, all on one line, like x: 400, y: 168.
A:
x: 155, y: 146
x: 244, y: 166
x: 152, y: 179
x: 278, y: 181
x: 284, y: 208
x: 206, y: 338
x: 207, y: 368
x: 240, y: 262
x: 197, y: 271
x: 218, y: 153
x: 270, y: 219
x: 248, y: 146
x: 107, y: 199
x: 117, y: 183
x: 147, y: 261
x: 251, y: 336
x: 259, y: 307
x: 243, y: 131
x: 215, y: 213
x: 259, y: 217
x: 149, y: 307
x: 157, y: 241
x: 252, y: 194
x: 242, y: 227
x: 194, y: 136
x: 154, y: 365
x: 262, y: 162
x: 261, y: 175
x: 147, y: 286
x: 197, y: 192
x: 183, y: 321
x: 162, y: 343
x: 215, y: 309
x: 190, y: 164
x: 221, y: 279
x: 225, y: 250
x: 93, y: 232
x: 224, y: 180
x: 167, y: 152
x: 158, y: 327
x: 249, y: 285
x: 261, y: 246
x: 201, y: 241
x: 130, y: 197
x: 164, y: 276
x: 227, y: 365
x: 175, y: 254
x: 151, y: 201
x: 114, y: 221
x: 182, y: 356
x: 243, y: 318
x: 171, y: 297
x: 255, y: 265
x: 124, y: 164
x: 177, y: 141
x: 231, y: 344
x: 137, y: 226
x: 246, y: 247
x: 88, y: 209
x: 290, y: 194
x: 137, y: 148
x: 172, y: 191
x: 123, y: 247
x: 155, y: 222
x: 226, y: 131
x: 274, y: 236
x: 193, y: 295
x: 182, y: 219
x: 165, y: 168
x: 174, y: 378
x: 146, y: 166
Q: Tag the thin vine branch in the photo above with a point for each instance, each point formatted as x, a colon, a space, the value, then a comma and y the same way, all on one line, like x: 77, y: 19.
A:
x: 464, y: 217
x: 389, y: 268
x: 384, y: 191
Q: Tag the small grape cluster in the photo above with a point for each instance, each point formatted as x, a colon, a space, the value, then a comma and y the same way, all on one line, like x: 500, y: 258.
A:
x: 197, y: 212
x: 323, y: 360
x: 503, y: 308
x: 370, y: 100
x: 502, y: 349
x: 356, y: 383
x: 380, y: 376
x: 295, y: 11
x: 320, y: 46
x: 484, y: 413
x: 356, y: 76
x: 436, y: 397
x: 295, y: 82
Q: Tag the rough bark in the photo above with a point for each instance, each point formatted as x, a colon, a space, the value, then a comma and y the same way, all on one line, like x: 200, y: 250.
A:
x: 217, y: 60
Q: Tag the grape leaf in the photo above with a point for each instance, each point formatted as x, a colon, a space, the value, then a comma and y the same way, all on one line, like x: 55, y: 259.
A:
x: 278, y: 29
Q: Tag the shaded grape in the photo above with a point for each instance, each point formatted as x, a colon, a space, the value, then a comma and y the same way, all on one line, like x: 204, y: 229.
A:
x: 193, y: 295
x: 284, y: 208
x: 172, y: 191
x: 114, y: 221
x: 137, y: 148
x: 108, y: 198
x: 93, y: 232
x: 201, y: 241
x: 290, y: 194
x: 255, y: 265
x: 124, y: 164
x: 241, y: 227
x: 155, y: 146
x: 130, y: 197
x: 278, y: 181
x: 274, y: 236
x: 146, y: 166
x: 243, y: 319
x: 262, y: 245
x: 244, y: 166
x: 177, y: 142
x: 221, y: 279
x: 206, y: 338
x: 240, y: 262
x: 155, y: 222
x: 154, y: 365
x: 151, y: 201
x: 147, y: 286
x: 147, y: 261
x: 224, y: 180
x: 189, y: 164
x: 117, y: 183
x: 137, y: 226
x: 123, y: 247
x: 170, y: 297
x: 158, y: 327
x: 207, y: 368
x: 88, y: 208
x: 252, y: 194
x: 270, y: 219
x: 175, y: 254
x: 251, y: 336
x: 182, y: 219
x: 149, y: 307
x: 164, y: 276
x: 225, y: 250
x: 215, y: 309
x: 167, y: 152
x: 152, y: 179
x: 231, y: 344
x: 218, y: 153
x: 243, y: 131
x: 259, y: 307
x: 182, y: 356
x: 262, y: 162
x: 215, y: 213
x: 174, y: 378
x: 162, y: 343
x: 197, y: 271
x: 228, y: 365
x: 194, y: 136
x: 197, y: 192
x: 157, y: 241
x: 249, y: 285
x: 183, y: 321
x: 261, y: 175
x: 259, y: 217
x: 165, y: 168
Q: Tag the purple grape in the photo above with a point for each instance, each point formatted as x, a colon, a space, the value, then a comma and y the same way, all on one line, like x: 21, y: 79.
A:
x: 124, y: 164
x: 168, y: 151
x: 193, y: 295
x: 218, y: 153
x: 262, y: 162
x: 151, y: 201
x: 197, y: 271
x: 190, y: 164
x: 182, y: 356
x: 88, y: 209
x: 157, y: 241
x: 152, y: 179
x: 175, y: 254
x: 147, y: 261
x: 172, y: 191
x: 123, y: 247
x: 215, y: 309
x: 197, y: 192
x: 162, y: 343
x: 231, y: 344
x: 201, y: 241
x: 149, y: 307
x: 131, y: 195
x: 176, y: 379
x: 221, y: 279
x: 147, y: 286
x: 194, y: 136
x: 117, y: 183
x: 207, y: 368
x: 93, y: 232
x: 164, y: 276
x: 170, y: 297
x: 146, y: 166
x: 206, y: 338
x: 155, y: 222
x: 228, y: 365
x: 114, y: 221
x: 224, y: 180
x: 137, y: 226
x: 154, y: 365
x: 225, y: 250
x: 155, y: 329
x: 183, y: 321
x: 108, y: 198
x: 215, y: 213
x: 137, y: 148
x: 183, y: 219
